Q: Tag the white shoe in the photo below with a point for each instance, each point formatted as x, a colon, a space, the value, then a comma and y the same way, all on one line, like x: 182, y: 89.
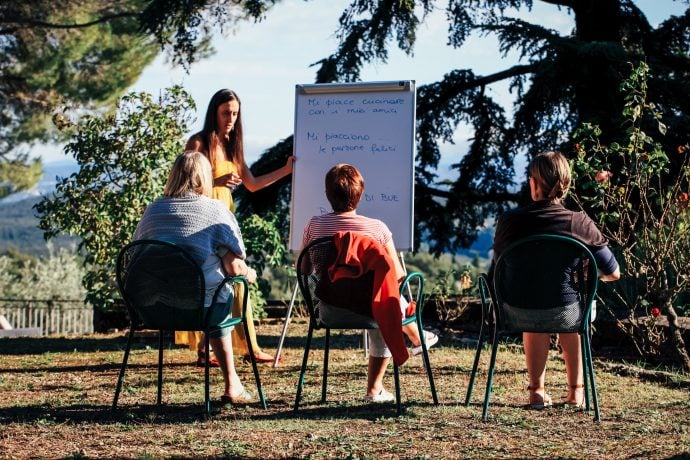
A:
x: 382, y: 397
x: 430, y: 339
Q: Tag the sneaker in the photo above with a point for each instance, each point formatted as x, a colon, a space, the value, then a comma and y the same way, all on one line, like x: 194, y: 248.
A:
x: 382, y: 397
x: 430, y: 339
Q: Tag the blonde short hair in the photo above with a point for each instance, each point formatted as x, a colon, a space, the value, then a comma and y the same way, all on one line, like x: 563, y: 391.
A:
x: 191, y: 173
x: 551, y: 173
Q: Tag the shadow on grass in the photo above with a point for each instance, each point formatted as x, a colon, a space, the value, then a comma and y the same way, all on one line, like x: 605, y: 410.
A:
x: 186, y: 413
x: 342, y: 410
x: 103, y: 414
x: 38, y: 345
x: 92, y: 368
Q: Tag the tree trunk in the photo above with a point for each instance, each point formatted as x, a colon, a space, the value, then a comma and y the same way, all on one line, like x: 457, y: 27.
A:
x: 676, y: 335
x: 674, y: 330
x: 601, y: 63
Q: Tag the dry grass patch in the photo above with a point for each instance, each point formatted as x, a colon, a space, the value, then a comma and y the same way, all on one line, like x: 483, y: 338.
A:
x: 55, y: 396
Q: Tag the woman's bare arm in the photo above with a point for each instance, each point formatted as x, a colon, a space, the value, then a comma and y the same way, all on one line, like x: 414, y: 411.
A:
x: 254, y: 183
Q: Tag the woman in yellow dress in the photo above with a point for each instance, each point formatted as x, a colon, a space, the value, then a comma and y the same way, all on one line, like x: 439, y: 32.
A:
x: 221, y: 141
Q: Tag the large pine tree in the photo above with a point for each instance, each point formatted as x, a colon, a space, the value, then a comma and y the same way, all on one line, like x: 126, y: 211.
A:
x: 559, y: 82
x: 84, y: 54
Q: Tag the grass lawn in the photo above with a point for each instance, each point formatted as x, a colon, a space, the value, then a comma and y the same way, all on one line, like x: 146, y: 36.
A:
x: 55, y: 396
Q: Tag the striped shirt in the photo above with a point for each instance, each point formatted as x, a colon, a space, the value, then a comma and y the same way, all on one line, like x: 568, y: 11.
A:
x: 329, y: 224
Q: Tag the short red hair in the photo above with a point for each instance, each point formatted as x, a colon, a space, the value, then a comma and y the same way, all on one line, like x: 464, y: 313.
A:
x: 344, y: 187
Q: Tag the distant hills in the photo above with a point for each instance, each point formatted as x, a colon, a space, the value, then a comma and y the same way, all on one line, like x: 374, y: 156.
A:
x: 19, y: 224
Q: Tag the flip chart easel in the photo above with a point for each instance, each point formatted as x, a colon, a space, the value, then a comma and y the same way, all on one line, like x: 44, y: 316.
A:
x: 370, y: 125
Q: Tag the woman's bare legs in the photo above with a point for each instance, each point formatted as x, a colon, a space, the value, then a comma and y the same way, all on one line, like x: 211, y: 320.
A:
x: 222, y: 347
x: 412, y: 332
x: 536, y: 347
x: 572, y: 355
x: 375, y: 372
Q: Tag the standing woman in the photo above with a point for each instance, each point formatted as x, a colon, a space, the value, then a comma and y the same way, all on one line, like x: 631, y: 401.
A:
x: 222, y: 142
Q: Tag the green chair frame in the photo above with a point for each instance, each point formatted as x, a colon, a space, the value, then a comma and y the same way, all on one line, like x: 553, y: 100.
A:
x: 168, y: 318
x: 492, y: 318
x: 413, y: 283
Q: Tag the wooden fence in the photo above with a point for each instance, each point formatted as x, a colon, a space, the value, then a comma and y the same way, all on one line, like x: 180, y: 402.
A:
x: 52, y: 316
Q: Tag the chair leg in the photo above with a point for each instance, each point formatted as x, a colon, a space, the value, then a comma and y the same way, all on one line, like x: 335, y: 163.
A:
x: 121, y: 376
x: 396, y: 377
x: 473, y: 374
x: 207, y: 378
x: 427, y: 363
x: 300, y: 382
x: 490, y: 378
x: 326, y: 350
x: 595, y: 396
x: 255, y: 368
x: 160, y: 368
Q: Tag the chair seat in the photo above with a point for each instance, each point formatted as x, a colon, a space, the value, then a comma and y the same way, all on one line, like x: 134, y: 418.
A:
x: 165, y: 289
x: 317, y: 256
x: 539, y: 266
x: 230, y: 322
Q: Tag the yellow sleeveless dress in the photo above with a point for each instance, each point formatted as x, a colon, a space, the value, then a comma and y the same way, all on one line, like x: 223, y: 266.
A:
x: 223, y: 193
x: 239, y: 342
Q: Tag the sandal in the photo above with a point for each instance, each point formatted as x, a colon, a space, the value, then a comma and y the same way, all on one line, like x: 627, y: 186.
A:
x: 244, y: 397
x: 576, y: 404
x: 539, y: 405
x: 201, y: 360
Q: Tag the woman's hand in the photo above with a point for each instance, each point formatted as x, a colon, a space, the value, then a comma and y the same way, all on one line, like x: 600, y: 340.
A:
x: 230, y: 181
x: 290, y: 164
x: 251, y: 275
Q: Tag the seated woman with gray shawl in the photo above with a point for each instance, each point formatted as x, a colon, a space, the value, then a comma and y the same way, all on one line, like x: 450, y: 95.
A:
x: 187, y: 216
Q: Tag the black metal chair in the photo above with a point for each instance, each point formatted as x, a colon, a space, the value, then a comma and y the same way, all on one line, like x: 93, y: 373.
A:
x: 164, y: 289
x: 530, y: 274
x: 316, y: 257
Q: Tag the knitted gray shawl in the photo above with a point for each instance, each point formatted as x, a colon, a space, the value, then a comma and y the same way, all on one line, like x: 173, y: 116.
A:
x: 196, y: 223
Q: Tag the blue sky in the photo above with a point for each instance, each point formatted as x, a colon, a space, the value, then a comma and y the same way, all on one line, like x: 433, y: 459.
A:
x: 264, y: 61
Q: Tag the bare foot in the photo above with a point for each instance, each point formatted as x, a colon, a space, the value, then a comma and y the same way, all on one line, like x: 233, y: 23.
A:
x: 576, y: 395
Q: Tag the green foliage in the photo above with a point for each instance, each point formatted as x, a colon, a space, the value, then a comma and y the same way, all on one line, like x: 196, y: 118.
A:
x: 85, y: 54
x: 640, y: 198
x: 185, y: 27
x: 19, y: 174
x: 46, y: 67
x: 265, y: 248
x: 57, y: 276
x: 451, y: 293
x: 559, y: 82
x: 124, y: 160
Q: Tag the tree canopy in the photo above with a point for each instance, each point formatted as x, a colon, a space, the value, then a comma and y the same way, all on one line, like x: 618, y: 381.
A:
x: 559, y: 82
x: 84, y: 55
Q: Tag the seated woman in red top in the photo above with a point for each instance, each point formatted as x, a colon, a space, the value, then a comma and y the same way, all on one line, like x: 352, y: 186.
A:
x: 344, y: 189
x: 549, y: 181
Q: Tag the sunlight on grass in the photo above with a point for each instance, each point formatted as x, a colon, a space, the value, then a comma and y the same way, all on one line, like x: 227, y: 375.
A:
x: 51, y: 399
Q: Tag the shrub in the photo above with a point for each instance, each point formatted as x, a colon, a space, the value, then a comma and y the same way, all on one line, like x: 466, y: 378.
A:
x: 124, y: 159
x: 639, y: 196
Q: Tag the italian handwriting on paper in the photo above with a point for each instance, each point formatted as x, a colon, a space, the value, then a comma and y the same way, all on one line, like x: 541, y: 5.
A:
x: 331, y: 141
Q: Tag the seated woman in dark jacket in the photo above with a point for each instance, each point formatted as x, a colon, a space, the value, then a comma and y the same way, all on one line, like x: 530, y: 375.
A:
x: 549, y: 181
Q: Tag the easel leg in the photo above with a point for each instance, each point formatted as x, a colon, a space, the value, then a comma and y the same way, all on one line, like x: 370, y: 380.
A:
x: 288, y: 315
x: 365, y: 339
